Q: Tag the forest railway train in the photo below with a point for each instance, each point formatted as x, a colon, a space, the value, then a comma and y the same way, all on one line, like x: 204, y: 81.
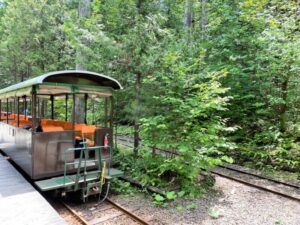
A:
x: 61, y: 146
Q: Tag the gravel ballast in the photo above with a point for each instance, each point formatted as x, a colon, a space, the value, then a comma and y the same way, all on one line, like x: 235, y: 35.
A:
x: 232, y: 203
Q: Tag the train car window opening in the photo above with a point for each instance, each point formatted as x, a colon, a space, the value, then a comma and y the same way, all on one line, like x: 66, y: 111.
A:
x: 70, y: 108
x: 91, y: 117
x: 105, y: 111
x: 99, y: 111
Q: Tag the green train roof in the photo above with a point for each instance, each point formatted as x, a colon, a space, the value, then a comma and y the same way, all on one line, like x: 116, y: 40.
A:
x: 77, y: 77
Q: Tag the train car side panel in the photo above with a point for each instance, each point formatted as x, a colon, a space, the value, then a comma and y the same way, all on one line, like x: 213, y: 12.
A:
x: 17, y: 144
x: 48, y: 153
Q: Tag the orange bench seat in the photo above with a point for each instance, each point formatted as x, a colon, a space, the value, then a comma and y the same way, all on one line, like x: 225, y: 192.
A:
x: 49, y: 128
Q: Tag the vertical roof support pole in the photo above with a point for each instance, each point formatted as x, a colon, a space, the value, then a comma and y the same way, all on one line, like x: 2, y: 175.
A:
x: 85, y: 108
x: 18, y: 111
x: 73, y: 112
x: 14, y: 107
x: 7, y: 110
x: 39, y: 114
x: 52, y: 106
x: 33, y: 109
x: 93, y: 102
x: 30, y: 104
x: 66, y: 112
x: 25, y: 107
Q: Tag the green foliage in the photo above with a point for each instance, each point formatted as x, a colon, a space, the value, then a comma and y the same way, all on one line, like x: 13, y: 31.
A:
x: 181, y: 194
x: 180, y: 207
x: 125, y: 130
x: 188, y: 120
x: 214, y: 214
x: 276, y: 150
x: 192, y: 206
x: 122, y: 187
x: 171, y: 195
x: 159, y: 200
x: 257, y: 42
x: 164, y: 173
x: 32, y: 39
x: 279, y: 221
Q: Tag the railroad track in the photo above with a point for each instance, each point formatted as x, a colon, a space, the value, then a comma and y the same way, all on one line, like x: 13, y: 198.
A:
x: 107, y: 212
x: 129, y: 142
x: 253, y: 178
x: 287, y: 189
x: 76, y: 216
x: 282, y: 188
x: 240, y: 169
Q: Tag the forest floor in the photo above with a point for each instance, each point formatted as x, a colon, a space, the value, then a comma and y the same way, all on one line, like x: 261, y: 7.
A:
x: 230, y: 203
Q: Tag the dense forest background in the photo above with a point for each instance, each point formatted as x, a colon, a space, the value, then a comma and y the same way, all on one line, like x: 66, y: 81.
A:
x: 216, y: 79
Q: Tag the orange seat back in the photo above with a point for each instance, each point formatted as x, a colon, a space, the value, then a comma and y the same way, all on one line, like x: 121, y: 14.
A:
x: 88, y: 131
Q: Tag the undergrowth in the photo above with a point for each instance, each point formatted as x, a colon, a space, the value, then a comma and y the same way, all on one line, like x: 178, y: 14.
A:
x: 122, y: 187
x: 174, y: 176
x: 125, y: 130
x: 270, y: 150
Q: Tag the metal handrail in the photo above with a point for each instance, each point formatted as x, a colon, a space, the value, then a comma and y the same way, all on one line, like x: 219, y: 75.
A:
x: 85, y: 150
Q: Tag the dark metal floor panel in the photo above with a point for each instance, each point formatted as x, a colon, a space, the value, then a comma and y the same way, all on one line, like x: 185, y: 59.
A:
x: 20, y: 203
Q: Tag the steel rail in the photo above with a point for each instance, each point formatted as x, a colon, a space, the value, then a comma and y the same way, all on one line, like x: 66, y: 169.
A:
x: 115, y: 205
x: 261, y: 176
x: 75, y: 214
x: 130, y: 214
x: 257, y: 186
x: 155, y: 148
x: 129, y: 146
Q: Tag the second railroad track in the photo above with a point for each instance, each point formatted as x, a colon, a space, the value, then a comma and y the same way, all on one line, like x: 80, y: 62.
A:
x: 108, y: 212
x: 282, y: 188
x: 253, y: 178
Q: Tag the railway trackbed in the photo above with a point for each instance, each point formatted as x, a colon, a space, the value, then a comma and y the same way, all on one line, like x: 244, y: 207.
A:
x: 282, y: 188
x: 253, y: 178
x: 107, y: 212
x: 256, y: 173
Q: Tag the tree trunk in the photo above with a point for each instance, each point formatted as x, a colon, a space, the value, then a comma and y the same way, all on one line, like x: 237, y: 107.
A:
x: 84, y: 12
x: 283, y: 106
x: 163, y: 6
x: 84, y: 9
x: 43, y: 108
x: 137, y: 112
x: 79, y: 108
x: 138, y: 83
x: 187, y: 14
x: 203, y: 20
x: 188, y: 4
